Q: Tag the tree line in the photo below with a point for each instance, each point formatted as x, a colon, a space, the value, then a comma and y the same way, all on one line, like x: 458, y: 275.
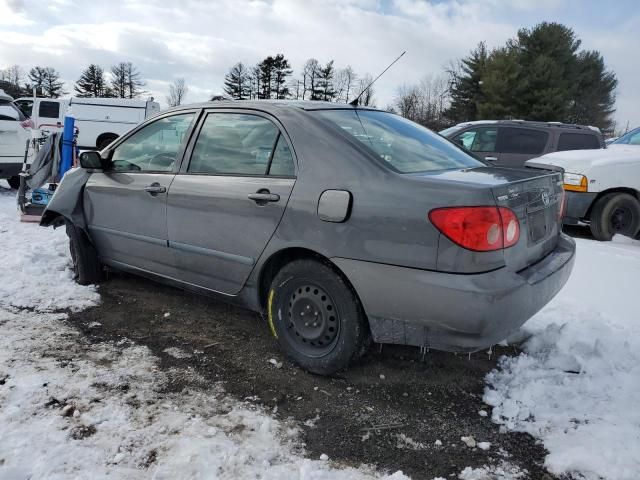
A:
x: 124, y: 81
x: 541, y: 74
x: 272, y: 78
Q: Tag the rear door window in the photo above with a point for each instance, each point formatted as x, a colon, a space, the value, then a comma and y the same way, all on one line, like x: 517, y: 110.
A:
x: 237, y: 144
x: 577, y: 141
x: 522, y: 140
x: 49, y: 110
x: 482, y: 139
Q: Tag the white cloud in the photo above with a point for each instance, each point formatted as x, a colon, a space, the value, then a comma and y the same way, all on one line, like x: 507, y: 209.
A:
x: 201, y: 40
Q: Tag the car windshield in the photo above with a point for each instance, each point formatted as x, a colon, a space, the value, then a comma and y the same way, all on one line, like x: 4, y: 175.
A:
x: 630, y: 138
x: 403, y: 145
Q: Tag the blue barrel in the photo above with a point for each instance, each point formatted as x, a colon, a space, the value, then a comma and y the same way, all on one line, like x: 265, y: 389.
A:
x: 66, y: 162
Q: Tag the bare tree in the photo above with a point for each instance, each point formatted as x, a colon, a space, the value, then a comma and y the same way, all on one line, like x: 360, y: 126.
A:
x: 366, y: 94
x: 426, y: 102
x: 344, y: 83
x: 310, y: 73
x: 177, y: 92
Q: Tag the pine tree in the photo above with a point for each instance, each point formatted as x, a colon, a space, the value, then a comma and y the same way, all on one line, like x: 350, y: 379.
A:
x: 281, y: 72
x: 465, y: 79
x: 237, y: 83
x: 325, y: 90
x: 92, y: 83
x: 47, y: 81
x: 126, y: 81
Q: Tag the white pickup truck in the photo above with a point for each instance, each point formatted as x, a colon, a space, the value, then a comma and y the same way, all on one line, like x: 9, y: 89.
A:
x: 602, y: 186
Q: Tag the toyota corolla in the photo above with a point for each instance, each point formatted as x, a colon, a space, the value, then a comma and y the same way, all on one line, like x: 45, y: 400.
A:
x: 340, y: 224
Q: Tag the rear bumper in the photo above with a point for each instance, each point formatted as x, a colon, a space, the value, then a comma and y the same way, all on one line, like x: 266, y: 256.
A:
x: 578, y: 204
x: 10, y: 169
x: 455, y: 312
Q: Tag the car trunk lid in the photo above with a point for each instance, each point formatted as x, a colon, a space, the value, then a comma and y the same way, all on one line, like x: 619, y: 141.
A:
x: 537, y: 203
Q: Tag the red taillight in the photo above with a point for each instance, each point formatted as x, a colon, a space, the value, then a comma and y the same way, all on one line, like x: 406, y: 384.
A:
x: 28, y: 123
x: 482, y: 229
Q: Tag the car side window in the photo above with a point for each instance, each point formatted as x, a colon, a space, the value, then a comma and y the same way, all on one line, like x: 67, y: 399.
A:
x: 154, y: 147
x: 577, y: 141
x: 478, y: 139
x: 235, y: 144
x: 282, y: 160
x: 521, y: 140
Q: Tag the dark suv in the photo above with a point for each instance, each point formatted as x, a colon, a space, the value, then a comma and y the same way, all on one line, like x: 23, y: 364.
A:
x: 513, y: 142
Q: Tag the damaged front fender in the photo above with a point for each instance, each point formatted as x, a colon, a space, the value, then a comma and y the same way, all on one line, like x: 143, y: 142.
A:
x: 66, y: 202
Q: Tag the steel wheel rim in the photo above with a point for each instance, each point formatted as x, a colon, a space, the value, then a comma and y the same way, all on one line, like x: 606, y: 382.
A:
x: 313, y: 321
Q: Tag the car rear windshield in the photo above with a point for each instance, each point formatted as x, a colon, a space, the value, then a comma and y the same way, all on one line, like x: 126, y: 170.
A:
x: 9, y: 111
x: 403, y: 145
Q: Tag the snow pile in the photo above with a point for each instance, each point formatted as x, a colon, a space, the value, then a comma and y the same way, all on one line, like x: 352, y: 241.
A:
x: 503, y: 471
x: 577, y: 385
x: 34, y: 265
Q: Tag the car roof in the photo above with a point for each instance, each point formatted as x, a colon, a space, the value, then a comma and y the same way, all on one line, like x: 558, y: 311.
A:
x: 530, y: 123
x: 273, y: 105
x: 5, y: 96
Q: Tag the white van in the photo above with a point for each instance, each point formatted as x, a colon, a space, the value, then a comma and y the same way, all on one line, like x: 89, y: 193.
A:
x: 15, y: 131
x: 99, y: 120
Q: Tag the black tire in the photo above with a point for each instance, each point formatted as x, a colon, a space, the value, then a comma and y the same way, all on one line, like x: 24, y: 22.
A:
x: 14, y: 182
x: 104, y: 142
x: 335, y: 331
x: 86, y: 266
x: 615, y: 213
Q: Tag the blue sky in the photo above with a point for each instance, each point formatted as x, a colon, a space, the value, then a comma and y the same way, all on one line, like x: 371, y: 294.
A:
x: 199, y: 40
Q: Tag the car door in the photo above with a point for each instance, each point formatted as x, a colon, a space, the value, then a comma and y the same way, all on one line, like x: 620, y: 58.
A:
x: 516, y: 145
x: 13, y: 132
x: 480, y: 140
x: 228, y: 199
x: 126, y: 204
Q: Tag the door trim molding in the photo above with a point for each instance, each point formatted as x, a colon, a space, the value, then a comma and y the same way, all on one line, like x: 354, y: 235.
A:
x: 185, y: 247
x: 133, y: 236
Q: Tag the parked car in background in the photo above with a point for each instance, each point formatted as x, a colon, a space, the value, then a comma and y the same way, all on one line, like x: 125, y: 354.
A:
x: 512, y: 142
x: 630, y: 138
x: 603, y: 186
x: 15, y: 131
x: 339, y: 223
x: 99, y: 120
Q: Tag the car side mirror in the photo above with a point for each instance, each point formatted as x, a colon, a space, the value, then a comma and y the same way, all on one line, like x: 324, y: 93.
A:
x: 91, y: 160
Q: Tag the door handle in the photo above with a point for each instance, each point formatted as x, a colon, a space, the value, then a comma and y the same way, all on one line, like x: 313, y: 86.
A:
x: 262, y: 197
x: 154, y: 189
x: 491, y: 159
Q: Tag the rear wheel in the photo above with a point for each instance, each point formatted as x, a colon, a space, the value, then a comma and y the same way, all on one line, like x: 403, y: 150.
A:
x: 14, y: 182
x: 615, y: 213
x: 86, y: 266
x: 316, y: 317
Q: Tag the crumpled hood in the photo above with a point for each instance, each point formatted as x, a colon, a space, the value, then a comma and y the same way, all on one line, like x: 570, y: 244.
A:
x: 579, y: 161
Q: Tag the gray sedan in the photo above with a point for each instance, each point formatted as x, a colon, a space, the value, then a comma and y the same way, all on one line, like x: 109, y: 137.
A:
x: 341, y: 224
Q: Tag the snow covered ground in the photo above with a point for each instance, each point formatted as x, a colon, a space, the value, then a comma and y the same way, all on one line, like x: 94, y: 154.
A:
x: 577, y: 386
x: 69, y: 409
x: 72, y: 410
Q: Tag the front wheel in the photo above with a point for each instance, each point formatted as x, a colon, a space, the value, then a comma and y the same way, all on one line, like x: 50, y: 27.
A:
x: 86, y: 266
x: 316, y: 317
x: 615, y: 213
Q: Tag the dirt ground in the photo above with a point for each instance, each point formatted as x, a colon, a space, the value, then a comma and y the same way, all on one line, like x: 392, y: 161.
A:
x: 387, y: 411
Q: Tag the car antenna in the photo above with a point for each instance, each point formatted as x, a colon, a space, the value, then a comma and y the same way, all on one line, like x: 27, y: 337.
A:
x: 354, y: 102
